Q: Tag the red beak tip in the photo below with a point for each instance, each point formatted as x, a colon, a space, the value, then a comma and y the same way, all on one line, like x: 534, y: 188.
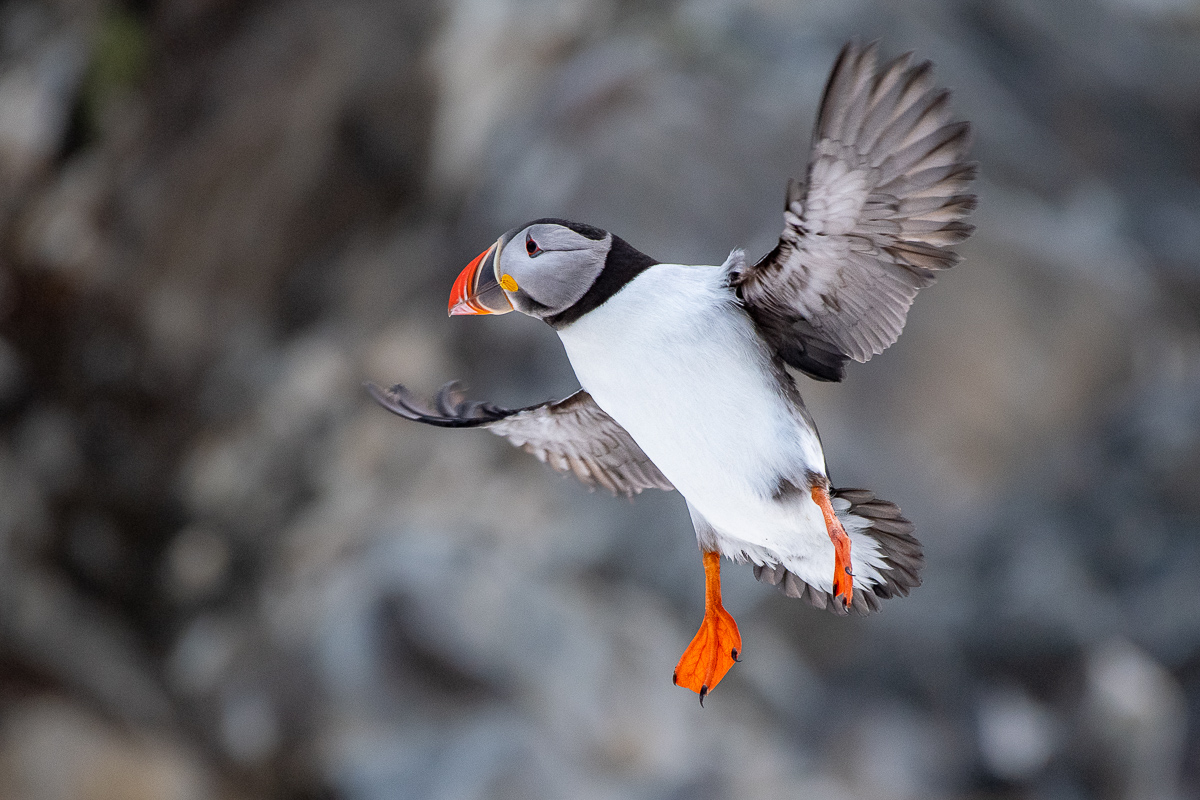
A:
x: 477, y: 292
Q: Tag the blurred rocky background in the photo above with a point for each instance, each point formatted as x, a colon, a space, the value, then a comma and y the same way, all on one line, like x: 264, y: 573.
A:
x: 224, y: 573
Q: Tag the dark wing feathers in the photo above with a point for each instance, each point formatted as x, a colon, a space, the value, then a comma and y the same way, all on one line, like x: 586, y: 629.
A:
x: 571, y: 435
x: 884, y: 198
x: 453, y: 410
x: 902, y: 557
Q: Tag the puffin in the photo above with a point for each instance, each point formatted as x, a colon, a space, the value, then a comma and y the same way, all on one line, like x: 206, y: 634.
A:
x: 688, y: 373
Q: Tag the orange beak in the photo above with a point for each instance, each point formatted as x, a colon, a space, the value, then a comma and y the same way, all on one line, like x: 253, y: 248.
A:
x: 477, y: 290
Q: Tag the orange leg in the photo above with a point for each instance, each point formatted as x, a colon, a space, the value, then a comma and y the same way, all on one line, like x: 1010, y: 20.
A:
x: 715, y: 647
x: 843, y: 577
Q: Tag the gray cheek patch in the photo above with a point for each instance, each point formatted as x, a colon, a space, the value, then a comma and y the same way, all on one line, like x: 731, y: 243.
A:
x: 524, y: 302
x: 559, y: 282
x: 556, y: 279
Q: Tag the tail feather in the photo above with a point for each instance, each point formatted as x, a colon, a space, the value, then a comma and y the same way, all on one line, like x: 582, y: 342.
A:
x: 899, y: 563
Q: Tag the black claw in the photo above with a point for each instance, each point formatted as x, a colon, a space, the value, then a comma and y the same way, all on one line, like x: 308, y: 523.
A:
x: 848, y: 572
x: 703, y: 693
x: 675, y: 678
x: 734, y: 653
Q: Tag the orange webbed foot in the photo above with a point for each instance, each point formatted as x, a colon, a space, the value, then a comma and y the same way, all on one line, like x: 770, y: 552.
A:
x: 716, y: 646
x: 843, y: 577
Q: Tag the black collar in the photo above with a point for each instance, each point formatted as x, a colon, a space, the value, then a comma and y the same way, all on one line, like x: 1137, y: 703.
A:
x: 623, y: 263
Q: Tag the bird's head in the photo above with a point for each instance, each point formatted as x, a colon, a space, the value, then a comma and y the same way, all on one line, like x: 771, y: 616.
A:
x: 540, y: 269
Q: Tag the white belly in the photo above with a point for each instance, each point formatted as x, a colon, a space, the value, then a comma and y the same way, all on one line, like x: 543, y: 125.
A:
x: 679, y: 366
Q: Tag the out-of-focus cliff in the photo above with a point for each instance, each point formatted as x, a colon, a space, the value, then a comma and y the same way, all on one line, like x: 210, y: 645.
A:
x: 224, y: 573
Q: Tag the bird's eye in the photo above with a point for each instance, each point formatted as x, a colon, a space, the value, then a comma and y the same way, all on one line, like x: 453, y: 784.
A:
x: 531, y: 246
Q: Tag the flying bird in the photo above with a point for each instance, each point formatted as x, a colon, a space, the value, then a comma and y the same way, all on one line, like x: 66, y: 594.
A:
x: 685, y: 369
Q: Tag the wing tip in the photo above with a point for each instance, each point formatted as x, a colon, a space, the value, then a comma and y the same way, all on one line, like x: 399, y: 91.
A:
x: 453, y: 410
x: 396, y: 399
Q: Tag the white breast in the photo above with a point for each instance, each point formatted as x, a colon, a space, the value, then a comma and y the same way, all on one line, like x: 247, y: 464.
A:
x: 681, y: 367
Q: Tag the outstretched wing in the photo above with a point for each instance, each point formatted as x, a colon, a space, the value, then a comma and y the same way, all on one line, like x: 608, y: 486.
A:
x: 572, y: 435
x: 885, y: 199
